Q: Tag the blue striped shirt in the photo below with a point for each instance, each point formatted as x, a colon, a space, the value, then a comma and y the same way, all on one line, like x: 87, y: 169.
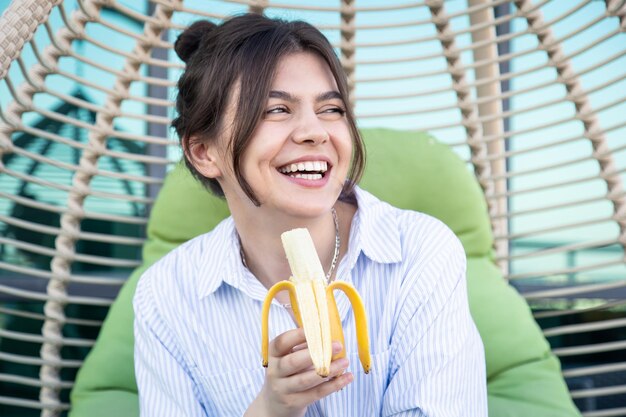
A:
x: 198, y: 324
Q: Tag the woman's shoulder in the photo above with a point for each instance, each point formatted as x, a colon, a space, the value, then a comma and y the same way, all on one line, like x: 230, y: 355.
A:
x: 179, y: 272
x: 419, y: 233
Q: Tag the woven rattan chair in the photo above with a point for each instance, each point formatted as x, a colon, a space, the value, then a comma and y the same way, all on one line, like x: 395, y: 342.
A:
x: 532, y: 94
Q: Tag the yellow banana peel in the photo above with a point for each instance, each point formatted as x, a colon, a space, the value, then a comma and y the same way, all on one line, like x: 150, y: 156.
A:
x: 314, y: 305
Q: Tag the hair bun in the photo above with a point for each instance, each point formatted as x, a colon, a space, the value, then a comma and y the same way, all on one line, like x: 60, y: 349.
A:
x: 188, y: 41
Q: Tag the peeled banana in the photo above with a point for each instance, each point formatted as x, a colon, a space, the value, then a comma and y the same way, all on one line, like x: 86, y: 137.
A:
x: 314, y: 306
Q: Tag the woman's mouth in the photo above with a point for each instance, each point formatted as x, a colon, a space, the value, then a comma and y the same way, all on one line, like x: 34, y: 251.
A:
x: 307, y: 170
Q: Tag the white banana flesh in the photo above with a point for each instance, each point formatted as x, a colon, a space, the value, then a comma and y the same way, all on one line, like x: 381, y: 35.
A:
x: 311, y: 298
x: 310, y: 284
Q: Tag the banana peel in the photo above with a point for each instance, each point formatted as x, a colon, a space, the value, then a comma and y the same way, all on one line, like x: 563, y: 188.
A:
x: 314, y: 305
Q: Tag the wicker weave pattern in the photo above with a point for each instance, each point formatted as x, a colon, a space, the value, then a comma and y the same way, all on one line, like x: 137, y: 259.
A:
x: 430, y: 65
x: 19, y: 24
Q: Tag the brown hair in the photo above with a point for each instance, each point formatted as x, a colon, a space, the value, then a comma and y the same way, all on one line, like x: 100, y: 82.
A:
x: 245, y: 50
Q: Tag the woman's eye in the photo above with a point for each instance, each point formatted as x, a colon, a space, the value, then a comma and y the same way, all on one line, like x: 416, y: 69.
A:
x: 337, y: 110
x: 277, y: 110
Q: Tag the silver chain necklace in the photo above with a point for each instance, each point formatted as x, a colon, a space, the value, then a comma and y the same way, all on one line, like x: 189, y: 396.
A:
x: 333, y: 264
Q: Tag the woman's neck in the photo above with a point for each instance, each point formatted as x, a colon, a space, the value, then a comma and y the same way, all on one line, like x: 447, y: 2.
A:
x: 262, y: 248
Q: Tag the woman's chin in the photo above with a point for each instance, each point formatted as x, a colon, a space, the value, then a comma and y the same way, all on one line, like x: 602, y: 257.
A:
x: 305, y: 209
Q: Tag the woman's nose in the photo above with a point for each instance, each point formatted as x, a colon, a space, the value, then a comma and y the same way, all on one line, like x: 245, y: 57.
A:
x: 310, y: 130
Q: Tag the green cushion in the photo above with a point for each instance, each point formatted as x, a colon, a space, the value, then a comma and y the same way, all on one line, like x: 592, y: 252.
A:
x: 415, y: 172
x: 409, y: 170
x: 530, y: 389
x: 524, y: 377
x: 184, y: 211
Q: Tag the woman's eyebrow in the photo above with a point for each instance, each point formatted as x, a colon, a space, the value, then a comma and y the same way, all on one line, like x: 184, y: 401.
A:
x: 329, y: 95
x: 282, y: 95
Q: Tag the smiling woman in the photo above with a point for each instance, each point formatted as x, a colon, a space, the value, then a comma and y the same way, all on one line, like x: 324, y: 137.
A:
x: 241, y: 83
x: 303, y: 125
x: 530, y: 94
x: 264, y: 121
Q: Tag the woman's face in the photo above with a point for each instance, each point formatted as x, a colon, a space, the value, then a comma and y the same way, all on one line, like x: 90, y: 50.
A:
x: 300, y: 154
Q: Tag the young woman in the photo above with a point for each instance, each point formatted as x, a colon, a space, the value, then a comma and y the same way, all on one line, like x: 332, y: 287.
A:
x: 264, y: 120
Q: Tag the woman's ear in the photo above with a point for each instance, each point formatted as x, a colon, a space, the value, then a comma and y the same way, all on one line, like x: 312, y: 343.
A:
x: 204, y: 157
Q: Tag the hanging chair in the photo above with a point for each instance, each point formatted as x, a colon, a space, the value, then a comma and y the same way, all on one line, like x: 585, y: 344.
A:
x: 531, y: 95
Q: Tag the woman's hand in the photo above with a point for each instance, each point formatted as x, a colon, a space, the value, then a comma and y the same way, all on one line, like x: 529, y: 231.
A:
x: 291, y: 383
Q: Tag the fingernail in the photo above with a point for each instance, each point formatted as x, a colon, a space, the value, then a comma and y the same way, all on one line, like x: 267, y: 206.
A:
x: 348, y: 378
x: 337, y: 347
x: 342, y: 363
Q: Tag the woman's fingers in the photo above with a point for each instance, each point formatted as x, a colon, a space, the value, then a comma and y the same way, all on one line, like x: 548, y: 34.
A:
x: 288, y: 354
x: 298, y: 360
x: 293, y: 363
x: 331, y: 386
x: 284, y: 343
x: 307, y: 380
x: 290, y: 379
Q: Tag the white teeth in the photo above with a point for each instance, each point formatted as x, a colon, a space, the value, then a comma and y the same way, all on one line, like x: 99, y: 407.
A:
x: 308, y: 176
x: 308, y: 166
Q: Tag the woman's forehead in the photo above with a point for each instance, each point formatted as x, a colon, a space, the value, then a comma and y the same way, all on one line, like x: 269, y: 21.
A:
x: 303, y: 73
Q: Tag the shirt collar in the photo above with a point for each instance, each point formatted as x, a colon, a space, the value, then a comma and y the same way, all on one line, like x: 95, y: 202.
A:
x: 375, y: 232
x: 222, y: 246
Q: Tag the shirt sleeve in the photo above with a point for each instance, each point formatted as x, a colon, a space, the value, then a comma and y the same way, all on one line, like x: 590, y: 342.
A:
x: 437, y: 364
x: 164, y: 379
